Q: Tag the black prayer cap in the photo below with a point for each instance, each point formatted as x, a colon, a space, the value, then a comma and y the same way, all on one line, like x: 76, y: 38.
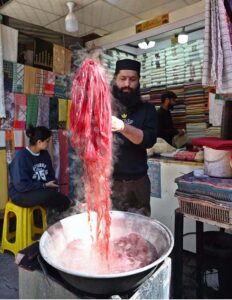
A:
x: 127, y: 64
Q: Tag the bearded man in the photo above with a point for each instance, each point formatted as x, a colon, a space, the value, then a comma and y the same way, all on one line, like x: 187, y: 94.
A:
x: 134, y: 127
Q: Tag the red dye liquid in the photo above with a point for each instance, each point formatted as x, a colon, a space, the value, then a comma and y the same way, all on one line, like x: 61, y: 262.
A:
x: 125, y: 254
x: 91, y: 136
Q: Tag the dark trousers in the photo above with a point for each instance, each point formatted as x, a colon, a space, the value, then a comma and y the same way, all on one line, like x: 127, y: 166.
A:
x: 48, y: 198
x: 132, y: 195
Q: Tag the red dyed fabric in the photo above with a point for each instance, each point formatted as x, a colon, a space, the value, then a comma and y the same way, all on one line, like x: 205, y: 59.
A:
x: 213, y: 142
x: 91, y: 136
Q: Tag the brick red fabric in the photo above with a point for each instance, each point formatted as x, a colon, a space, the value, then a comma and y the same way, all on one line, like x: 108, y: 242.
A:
x: 213, y: 142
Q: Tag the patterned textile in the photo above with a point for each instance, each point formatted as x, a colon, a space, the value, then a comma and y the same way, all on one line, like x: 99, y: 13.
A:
x: 49, y: 87
x: 29, y: 80
x: 10, y: 147
x: 53, y: 113
x: 3, y: 179
x: 39, y: 81
x: 8, y: 76
x: 18, y: 78
x: 43, y: 111
x: 60, y: 86
x: 32, y: 110
x: 64, y: 165
x: 20, y: 111
x: 2, y: 98
x: 217, y: 188
x: 10, y: 108
x: 19, y: 139
x: 9, y: 43
x: 56, y: 153
x: 62, y: 113
x: 217, y: 63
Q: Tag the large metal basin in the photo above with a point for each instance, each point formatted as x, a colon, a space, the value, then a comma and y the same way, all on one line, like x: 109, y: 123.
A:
x: 55, y: 239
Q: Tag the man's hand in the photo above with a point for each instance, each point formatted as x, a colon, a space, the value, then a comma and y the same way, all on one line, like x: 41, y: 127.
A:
x: 51, y: 184
x: 117, y: 124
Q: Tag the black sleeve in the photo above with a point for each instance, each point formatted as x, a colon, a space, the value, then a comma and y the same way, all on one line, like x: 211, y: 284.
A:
x: 164, y: 132
x: 149, y: 128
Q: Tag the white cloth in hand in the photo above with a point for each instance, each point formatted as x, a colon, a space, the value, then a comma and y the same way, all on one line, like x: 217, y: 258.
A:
x: 117, y: 124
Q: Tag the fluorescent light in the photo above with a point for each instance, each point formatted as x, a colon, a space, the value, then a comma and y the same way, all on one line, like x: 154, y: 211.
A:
x: 144, y: 45
x: 182, y: 38
x: 71, y: 23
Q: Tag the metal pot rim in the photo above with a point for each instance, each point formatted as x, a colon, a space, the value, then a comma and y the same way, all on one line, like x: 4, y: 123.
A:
x: 115, y: 275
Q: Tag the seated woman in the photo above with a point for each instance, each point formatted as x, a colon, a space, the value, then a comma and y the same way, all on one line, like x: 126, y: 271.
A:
x: 32, y: 178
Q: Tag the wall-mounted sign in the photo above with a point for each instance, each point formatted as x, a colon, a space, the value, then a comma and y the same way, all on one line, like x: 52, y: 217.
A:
x: 160, y: 20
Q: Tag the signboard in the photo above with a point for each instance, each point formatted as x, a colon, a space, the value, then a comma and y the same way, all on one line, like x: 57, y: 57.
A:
x: 158, y: 21
x: 154, y: 173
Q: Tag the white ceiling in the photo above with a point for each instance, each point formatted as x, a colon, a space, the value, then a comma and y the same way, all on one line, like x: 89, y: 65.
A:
x: 95, y: 16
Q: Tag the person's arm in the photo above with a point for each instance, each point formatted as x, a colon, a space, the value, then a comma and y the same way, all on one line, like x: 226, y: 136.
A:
x: 145, y: 137
x: 133, y: 134
x: 163, y: 131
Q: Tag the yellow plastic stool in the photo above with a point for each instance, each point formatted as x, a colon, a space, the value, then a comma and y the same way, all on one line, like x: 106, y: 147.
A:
x: 25, y: 228
x: 33, y: 230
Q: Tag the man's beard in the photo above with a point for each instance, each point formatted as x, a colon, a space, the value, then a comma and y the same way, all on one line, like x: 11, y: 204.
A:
x: 128, y: 99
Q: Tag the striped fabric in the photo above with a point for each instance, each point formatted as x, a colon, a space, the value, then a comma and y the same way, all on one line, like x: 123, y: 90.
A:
x: 32, y: 110
x: 217, y: 64
x: 43, y: 111
x: 40, y: 75
x: 29, y: 80
x: 20, y: 111
x: 18, y: 78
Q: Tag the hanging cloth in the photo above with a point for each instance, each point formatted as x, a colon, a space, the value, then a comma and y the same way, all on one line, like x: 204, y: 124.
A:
x: 39, y: 81
x: 32, y: 110
x: 10, y: 146
x: 56, y: 153
x: 10, y: 109
x: 64, y: 170
x: 10, y: 43
x: 62, y: 113
x: 49, y: 87
x: 29, y: 80
x: 20, y: 111
x: 18, y: 78
x: 53, y: 113
x: 8, y: 76
x: 43, y: 111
